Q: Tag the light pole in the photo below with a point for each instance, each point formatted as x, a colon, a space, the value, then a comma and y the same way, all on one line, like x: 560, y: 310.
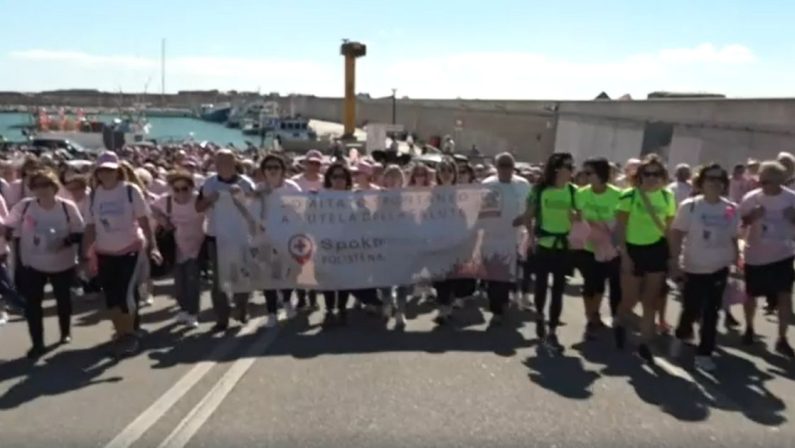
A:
x: 394, y: 106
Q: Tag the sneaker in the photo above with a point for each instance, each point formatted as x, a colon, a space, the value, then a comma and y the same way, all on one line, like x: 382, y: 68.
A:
x: 541, y: 330
x: 289, y: 310
x: 191, y: 321
x: 66, y: 339
x: 181, y: 317
x: 551, y: 342
x: 271, y: 321
x: 748, y: 337
x: 3, y: 317
x: 705, y: 363
x: 645, y: 353
x: 35, y: 352
x: 525, y: 303
x: 730, y: 321
x: 150, y: 300
x: 220, y: 327
x: 783, y: 348
x: 591, y: 330
x: 400, y: 320
x: 677, y: 345
x: 620, y: 336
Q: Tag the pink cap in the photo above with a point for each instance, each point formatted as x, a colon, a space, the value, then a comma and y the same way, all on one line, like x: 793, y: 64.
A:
x: 364, y: 167
x: 108, y: 160
x: 314, y: 155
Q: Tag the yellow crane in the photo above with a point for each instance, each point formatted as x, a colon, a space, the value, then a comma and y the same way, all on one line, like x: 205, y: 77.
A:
x: 351, y: 51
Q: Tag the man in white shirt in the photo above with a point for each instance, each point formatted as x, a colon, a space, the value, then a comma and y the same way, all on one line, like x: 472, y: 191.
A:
x: 499, y: 292
x: 681, y: 188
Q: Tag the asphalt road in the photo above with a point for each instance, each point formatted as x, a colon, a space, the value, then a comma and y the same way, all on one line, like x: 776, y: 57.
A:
x: 369, y: 385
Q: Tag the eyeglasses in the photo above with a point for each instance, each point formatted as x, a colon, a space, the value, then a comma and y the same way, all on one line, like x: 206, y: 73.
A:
x: 652, y: 174
x: 273, y: 167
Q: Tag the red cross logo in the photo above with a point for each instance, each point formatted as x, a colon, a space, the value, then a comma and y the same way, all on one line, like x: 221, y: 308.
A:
x: 301, y: 248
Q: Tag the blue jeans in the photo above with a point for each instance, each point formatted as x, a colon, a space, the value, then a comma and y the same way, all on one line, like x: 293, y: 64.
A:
x: 7, y: 291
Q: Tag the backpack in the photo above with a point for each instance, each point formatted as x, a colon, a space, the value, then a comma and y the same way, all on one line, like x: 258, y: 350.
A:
x: 561, y: 239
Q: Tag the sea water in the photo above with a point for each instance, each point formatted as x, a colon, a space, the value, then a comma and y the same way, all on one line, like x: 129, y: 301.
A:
x: 163, y: 128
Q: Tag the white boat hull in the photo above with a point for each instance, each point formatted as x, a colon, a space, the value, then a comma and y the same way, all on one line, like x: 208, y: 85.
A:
x: 88, y: 140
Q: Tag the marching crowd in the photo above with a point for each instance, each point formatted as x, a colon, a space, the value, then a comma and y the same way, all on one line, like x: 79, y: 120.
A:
x: 108, y: 226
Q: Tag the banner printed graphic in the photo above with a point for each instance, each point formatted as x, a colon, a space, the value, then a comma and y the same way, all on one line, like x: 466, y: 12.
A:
x: 353, y: 240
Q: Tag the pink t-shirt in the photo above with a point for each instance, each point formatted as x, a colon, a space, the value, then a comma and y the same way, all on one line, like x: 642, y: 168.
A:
x: 3, y: 215
x: 17, y: 191
x: 308, y: 185
x: 42, y: 232
x: 116, y: 218
x: 188, y: 225
x: 770, y: 237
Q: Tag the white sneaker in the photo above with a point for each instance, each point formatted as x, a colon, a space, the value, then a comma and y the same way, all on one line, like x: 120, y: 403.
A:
x: 3, y: 317
x: 150, y: 300
x: 705, y: 363
x: 271, y: 321
x: 676, y: 348
x: 524, y: 302
x: 400, y: 319
x: 191, y: 321
x: 289, y: 310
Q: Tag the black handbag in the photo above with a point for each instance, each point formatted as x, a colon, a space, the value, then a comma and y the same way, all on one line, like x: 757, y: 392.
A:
x: 167, y: 245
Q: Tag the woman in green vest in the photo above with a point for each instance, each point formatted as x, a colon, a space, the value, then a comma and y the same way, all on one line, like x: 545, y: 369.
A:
x: 645, y: 212
x: 551, y: 210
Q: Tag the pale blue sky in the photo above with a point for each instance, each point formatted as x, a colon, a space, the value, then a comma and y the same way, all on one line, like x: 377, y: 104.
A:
x: 441, y: 48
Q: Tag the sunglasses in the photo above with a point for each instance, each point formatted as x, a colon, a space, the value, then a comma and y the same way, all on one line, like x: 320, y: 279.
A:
x: 339, y: 177
x: 183, y: 189
x: 39, y: 185
x: 273, y: 168
x: 652, y: 174
x: 715, y: 177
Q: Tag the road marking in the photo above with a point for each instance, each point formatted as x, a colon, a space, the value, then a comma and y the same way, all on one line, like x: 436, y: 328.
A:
x: 138, y: 427
x: 198, y: 416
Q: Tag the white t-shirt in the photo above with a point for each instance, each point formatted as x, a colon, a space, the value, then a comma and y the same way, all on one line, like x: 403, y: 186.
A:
x: 710, y: 233
x: 116, y: 218
x: 681, y: 190
x: 770, y: 237
x: 520, y: 190
x: 308, y: 185
x: 42, y: 233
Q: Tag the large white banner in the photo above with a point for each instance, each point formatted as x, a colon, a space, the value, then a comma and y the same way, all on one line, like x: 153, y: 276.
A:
x: 353, y: 240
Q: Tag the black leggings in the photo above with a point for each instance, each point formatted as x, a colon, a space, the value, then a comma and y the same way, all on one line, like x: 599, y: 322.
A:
x: 32, y: 289
x: 702, y: 297
x: 272, y: 299
x: 555, y: 262
x: 444, y: 291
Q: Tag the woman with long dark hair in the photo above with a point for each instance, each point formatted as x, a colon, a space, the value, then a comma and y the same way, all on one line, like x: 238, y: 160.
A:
x: 337, y: 178
x: 644, y: 217
x: 599, y: 261
x: 551, y: 209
